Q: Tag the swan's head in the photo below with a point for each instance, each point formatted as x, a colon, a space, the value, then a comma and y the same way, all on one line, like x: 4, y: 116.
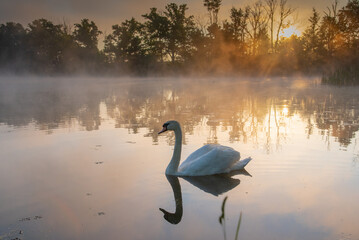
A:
x: 170, y: 125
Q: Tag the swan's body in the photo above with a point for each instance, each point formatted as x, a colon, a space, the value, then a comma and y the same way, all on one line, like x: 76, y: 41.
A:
x: 208, y: 160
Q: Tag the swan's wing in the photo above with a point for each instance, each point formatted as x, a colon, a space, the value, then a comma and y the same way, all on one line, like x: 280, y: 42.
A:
x: 212, y: 159
x: 198, y: 153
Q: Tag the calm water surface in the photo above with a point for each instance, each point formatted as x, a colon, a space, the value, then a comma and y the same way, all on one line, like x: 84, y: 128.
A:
x: 81, y: 159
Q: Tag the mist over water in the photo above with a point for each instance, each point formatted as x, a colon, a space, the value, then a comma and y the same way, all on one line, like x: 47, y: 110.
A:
x: 246, y: 106
x: 81, y: 157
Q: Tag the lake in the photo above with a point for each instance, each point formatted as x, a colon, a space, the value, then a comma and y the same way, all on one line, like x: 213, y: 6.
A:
x: 81, y: 158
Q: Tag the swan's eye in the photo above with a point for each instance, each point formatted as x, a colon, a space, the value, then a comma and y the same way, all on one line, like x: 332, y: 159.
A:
x: 165, y: 125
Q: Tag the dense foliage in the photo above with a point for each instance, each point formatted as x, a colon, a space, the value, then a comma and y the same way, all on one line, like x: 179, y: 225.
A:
x: 171, y: 41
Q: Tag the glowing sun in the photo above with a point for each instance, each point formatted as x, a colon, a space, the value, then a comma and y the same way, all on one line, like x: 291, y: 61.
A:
x: 288, y: 32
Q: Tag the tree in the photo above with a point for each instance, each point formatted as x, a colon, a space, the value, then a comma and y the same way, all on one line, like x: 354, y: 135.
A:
x: 12, y: 44
x: 213, y: 7
x: 349, y: 25
x: 216, y: 37
x: 235, y: 30
x: 180, y: 29
x: 329, y: 30
x: 310, y: 38
x: 86, y: 34
x: 257, y: 27
x: 342, y: 38
x: 156, y: 26
x: 125, y: 43
x: 284, y: 13
x: 290, y: 55
x: 170, y: 31
x: 239, y: 18
x: 271, y: 7
x: 201, y: 44
x: 46, y: 43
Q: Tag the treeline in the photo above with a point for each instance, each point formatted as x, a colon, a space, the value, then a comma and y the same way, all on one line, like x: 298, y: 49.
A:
x: 171, y: 41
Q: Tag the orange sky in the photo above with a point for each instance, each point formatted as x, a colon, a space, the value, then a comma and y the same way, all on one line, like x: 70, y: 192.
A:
x: 106, y: 13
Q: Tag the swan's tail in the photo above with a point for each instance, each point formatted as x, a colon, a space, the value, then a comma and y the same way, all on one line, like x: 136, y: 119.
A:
x: 241, y: 164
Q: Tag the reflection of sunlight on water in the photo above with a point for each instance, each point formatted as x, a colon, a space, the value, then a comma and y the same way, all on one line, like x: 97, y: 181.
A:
x: 285, y: 111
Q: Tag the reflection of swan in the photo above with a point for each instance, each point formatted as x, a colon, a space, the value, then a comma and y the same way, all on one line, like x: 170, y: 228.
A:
x: 208, y: 160
x: 215, y: 184
x: 176, y: 217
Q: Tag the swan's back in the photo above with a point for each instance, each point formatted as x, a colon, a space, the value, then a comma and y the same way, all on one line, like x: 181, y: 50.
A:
x: 208, y: 160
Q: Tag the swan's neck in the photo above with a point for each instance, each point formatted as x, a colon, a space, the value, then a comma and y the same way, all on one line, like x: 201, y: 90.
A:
x: 174, y: 163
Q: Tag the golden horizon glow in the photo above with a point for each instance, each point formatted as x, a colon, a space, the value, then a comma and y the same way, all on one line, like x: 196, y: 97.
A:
x: 290, y: 31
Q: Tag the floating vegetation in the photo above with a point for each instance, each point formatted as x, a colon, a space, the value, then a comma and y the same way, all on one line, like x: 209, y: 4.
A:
x: 25, y: 219
x: 12, y: 235
x: 30, y: 218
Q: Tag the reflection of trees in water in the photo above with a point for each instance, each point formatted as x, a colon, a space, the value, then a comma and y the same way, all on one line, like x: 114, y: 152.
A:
x: 256, y: 112
x: 335, y: 114
x: 343, y: 122
x: 150, y: 106
x: 89, y: 113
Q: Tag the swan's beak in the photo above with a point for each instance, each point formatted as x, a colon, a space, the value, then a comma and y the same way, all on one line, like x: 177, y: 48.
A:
x: 164, y: 129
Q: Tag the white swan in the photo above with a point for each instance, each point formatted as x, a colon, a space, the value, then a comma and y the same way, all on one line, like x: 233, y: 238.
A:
x: 208, y: 160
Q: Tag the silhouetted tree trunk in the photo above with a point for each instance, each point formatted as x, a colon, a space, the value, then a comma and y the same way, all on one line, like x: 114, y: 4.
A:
x: 271, y: 9
x: 213, y: 7
x: 258, y: 25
